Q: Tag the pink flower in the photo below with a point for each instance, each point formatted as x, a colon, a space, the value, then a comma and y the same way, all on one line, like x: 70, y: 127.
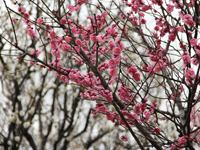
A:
x: 32, y: 63
x: 117, y: 40
x: 141, y: 14
x: 121, y: 46
x: 132, y: 116
x: 40, y: 21
x: 136, y: 76
x: 78, y: 42
x: 102, y: 109
x: 191, y: 23
x: 153, y: 58
x: 100, y: 104
x: 105, y: 14
x: 26, y: 15
x: 181, y: 29
x: 14, y: 20
x: 137, y: 109
x: 124, y: 94
x: 195, y: 61
x: 186, y: 58
x: 38, y: 51
x: 156, y: 28
x: 143, y: 107
x: 111, y: 44
x: 64, y: 79
x: 189, y: 81
x: 23, y: 11
x: 116, y: 51
x: 113, y: 71
x: 146, y: 7
x: 151, y: 70
x: 99, y: 38
x: 95, y: 111
x: 135, y: 8
x: 19, y: 9
x: 124, y: 138
x: 147, y: 115
x: 197, y: 49
x: 87, y: 82
x: 187, y: 16
x: 188, y: 20
x: 71, y: 8
x: 107, y: 95
x: 121, y: 122
x: 93, y: 38
x: 76, y: 77
x: 117, y: 59
x: 74, y: 29
x: 56, y: 62
x: 112, y: 63
x: 52, y: 34
x: 173, y: 147
x: 143, y: 21
x: 189, y: 73
x: 77, y: 8
x: 172, y: 37
x: 133, y: 71
x: 170, y: 8
x: 153, y: 106
x: 68, y: 39
x: 48, y: 26
x: 63, y: 21
x: 31, y: 33
x: 103, y: 66
x: 122, y: 16
x: 135, y: 21
x: 90, y: 94
x: 110, y: 117
x: 27, y: 22
x: 145, y: 100
x: 193, y: 42
x: 182, y: 140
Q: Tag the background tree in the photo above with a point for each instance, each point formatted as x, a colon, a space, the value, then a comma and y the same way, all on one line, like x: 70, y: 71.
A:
x: 147, y: 85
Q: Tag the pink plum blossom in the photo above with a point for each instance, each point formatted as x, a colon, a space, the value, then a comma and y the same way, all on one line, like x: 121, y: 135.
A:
x: 63, y: 21
x: 170, y: 8
x: 71, y: 7
x: 124, y: 138
x: 40, y: 21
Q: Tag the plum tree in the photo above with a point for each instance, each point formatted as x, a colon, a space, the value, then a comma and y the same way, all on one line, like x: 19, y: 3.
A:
x: 137, y: 60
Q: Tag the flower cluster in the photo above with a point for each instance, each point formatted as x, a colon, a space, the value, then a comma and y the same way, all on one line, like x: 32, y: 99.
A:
x: 124, y: 94
x: 188, y: 20
x: 134, y: 73
x: 107, y: 95
x: 182, y: 140
x: 109, y: 115
x: 190, y: 75
x: 103, y: 66
x: 90, y: 94
x: 88, y: 80
x: 30, y: 32
x: 186, y: 58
